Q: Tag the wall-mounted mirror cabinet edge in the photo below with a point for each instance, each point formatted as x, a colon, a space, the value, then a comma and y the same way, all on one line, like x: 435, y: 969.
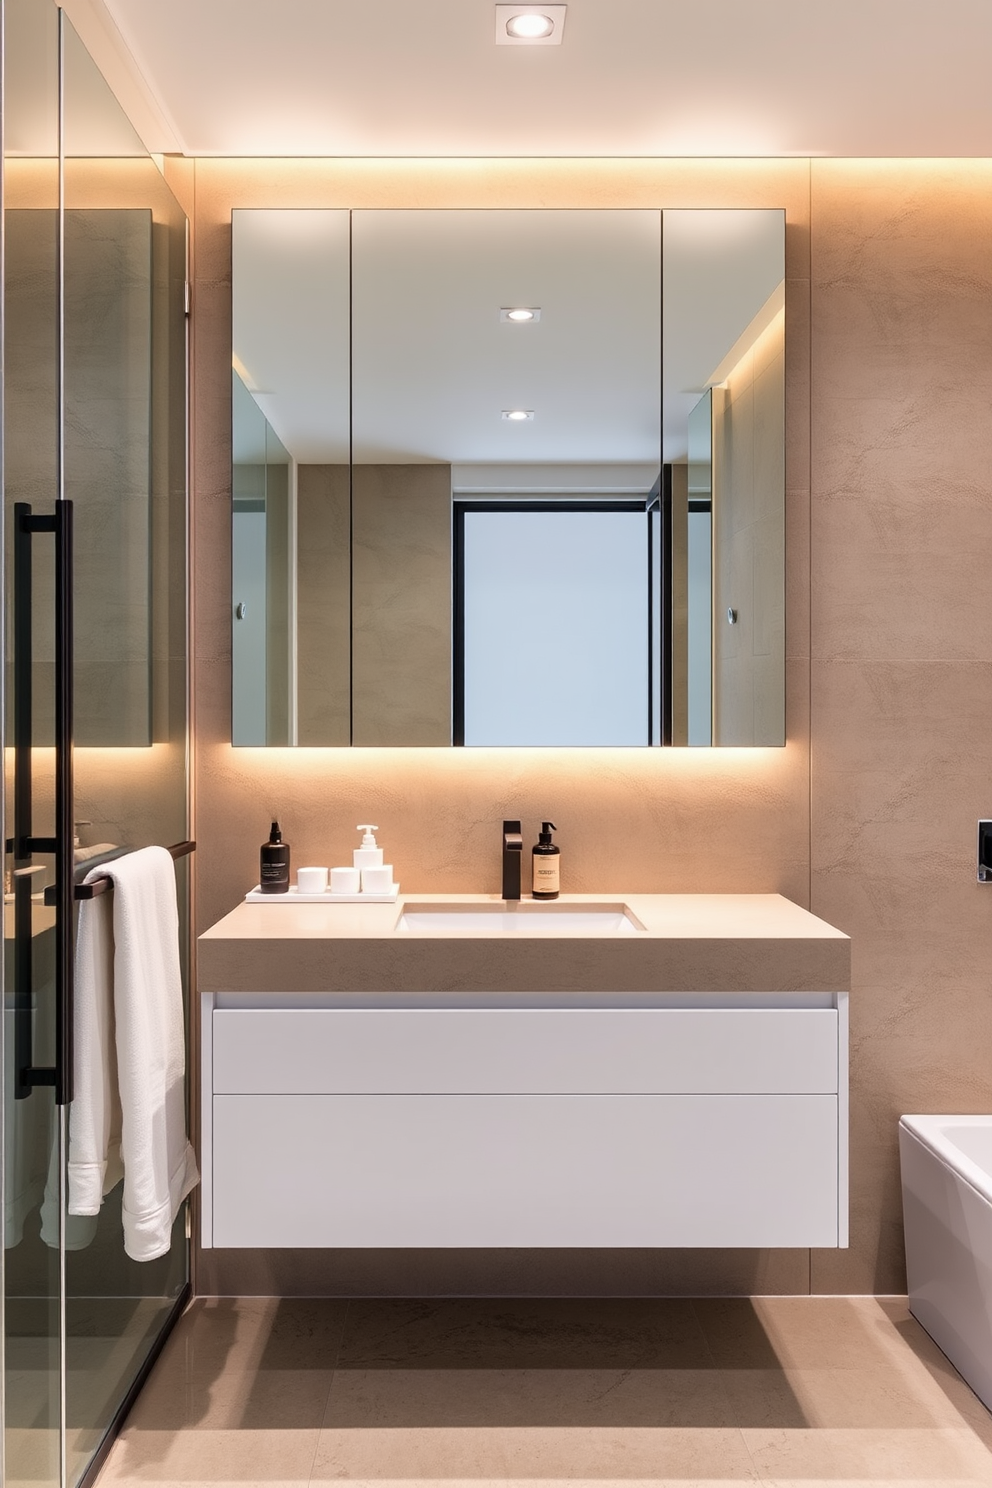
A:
x: 508, y: 477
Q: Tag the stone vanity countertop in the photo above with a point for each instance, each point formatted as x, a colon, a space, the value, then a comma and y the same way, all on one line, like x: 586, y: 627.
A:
x: 721, y: 943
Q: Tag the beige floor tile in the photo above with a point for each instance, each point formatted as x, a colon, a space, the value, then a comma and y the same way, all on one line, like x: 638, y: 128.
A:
x: 882, y: 1482
x: 219, y: 1334
x: 837, y: 1399
x: 533, y: 1334
x: 889, y: 1457
x: 234, y: 1400
x: 784, y: 1391
x: 574, y: 1456
x: 488, y: 1399
x: 794, y: 1332
x: 217, y: 1457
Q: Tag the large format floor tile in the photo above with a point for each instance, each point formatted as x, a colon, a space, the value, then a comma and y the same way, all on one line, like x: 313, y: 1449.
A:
x: 781, y: 1392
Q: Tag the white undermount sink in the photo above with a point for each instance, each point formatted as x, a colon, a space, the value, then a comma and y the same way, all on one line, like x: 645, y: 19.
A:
x: 524, y: 918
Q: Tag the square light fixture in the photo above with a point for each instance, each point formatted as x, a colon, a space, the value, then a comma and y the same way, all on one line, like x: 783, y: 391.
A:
x: 530, y: 25
x: 518, y: 415
x: 520, y: 314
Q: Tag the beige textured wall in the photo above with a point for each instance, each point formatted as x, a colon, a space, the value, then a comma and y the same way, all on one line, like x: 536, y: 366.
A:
x: 748, y: 442
x: 902, y: 651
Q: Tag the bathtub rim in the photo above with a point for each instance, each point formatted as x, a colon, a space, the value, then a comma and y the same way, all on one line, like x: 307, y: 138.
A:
x: 931, y: 1132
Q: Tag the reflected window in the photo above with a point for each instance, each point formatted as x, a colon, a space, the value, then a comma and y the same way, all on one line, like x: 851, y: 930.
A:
x: 553, y: 610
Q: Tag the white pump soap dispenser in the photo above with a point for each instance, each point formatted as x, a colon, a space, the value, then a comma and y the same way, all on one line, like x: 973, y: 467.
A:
x: 368, y: 855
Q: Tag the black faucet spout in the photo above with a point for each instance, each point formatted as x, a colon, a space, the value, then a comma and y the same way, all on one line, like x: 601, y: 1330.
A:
x: 513, y: 846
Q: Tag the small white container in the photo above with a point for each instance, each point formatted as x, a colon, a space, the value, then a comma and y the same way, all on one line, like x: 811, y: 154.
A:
x: 368, y: 855
x: 345, y: 880
x: 311, y: 880
x: 378, y: 880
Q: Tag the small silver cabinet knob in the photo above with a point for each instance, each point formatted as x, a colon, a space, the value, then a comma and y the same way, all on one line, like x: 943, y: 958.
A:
x: 242, y: 610
x: 731, y: 617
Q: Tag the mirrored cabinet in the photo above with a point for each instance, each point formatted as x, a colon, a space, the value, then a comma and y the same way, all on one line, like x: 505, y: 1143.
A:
x: 508, y: 477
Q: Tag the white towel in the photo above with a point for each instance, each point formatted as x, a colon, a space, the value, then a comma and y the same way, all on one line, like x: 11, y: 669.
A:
x: 129, y: 1097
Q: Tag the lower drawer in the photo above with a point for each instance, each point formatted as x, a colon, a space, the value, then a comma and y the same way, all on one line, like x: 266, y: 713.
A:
x: 517, y: 1171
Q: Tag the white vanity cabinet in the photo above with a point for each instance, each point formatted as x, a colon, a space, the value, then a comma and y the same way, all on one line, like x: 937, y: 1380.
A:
x: 671, y: 1120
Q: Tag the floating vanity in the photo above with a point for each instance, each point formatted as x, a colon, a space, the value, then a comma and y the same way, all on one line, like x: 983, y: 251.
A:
x: 449, y: 1071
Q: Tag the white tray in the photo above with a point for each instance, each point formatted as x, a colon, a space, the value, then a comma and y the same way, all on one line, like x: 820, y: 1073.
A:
x: 255, y: 896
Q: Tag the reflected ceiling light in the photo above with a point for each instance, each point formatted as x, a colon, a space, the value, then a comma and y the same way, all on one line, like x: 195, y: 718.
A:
x: 518, y: 415
x: 529, y: 25
x: 520, y: 314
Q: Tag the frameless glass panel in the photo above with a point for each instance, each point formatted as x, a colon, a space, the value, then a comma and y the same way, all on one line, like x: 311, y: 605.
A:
x: 31, y: 1408
x: 555, y: 616
x: 724, y: 336
x: 125, y: 468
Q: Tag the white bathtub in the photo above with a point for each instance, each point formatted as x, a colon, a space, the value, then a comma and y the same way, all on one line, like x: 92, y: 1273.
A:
x: 946, y: 1164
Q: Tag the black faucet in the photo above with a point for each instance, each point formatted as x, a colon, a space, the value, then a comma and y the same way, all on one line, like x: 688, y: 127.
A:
x: 513, y: 846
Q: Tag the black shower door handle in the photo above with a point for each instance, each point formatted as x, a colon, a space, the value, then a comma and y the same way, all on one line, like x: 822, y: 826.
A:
x: 23, y: 844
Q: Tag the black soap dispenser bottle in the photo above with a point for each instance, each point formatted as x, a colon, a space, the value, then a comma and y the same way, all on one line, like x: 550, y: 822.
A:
x: 273, y: 863
x: 546, y: 859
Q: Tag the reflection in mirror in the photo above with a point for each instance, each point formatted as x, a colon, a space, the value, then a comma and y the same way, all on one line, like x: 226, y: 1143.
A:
x: 507, y: 359
x: 291, y: 444
x: 439, y: 368
x: 724, y: 424
x: 262, y: 549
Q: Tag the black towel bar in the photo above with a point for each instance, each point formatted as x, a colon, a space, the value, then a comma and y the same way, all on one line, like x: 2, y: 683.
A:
x: 104, y: 884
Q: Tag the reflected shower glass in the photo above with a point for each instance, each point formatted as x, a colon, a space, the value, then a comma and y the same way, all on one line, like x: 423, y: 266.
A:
x: 291, y: 434
x: 724, y: 421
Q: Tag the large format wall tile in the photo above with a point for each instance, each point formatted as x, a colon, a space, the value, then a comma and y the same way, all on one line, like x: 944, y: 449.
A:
x: 901, y: 641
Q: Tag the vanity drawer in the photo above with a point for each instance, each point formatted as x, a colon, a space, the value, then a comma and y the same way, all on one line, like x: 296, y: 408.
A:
x: 412, y: 1171
x: 520, y: 1051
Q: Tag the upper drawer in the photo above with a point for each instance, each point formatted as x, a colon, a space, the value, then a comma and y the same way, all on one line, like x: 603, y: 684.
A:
x: 518, y: 1051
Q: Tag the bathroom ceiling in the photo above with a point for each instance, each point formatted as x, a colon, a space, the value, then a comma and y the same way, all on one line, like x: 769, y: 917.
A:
x: 632, y: 77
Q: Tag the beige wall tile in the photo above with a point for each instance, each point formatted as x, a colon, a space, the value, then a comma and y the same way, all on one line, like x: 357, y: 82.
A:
x: 901, y: 677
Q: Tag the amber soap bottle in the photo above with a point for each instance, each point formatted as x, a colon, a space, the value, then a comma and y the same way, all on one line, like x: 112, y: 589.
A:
x: 546, y: 860
x: 273, y: 863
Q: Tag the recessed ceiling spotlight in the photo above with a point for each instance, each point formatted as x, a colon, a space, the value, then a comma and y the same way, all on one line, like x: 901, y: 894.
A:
x: 520, y: 314
x: 529, y: 25
x: 518, y: 415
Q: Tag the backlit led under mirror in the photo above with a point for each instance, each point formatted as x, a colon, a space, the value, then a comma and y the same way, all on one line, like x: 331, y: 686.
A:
x: 417, y: 564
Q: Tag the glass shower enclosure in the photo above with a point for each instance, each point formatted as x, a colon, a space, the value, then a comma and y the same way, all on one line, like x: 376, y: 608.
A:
x: 95, y: 704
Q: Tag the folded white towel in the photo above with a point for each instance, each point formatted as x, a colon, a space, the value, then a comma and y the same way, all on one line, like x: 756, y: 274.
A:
x: 129, y: 1097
